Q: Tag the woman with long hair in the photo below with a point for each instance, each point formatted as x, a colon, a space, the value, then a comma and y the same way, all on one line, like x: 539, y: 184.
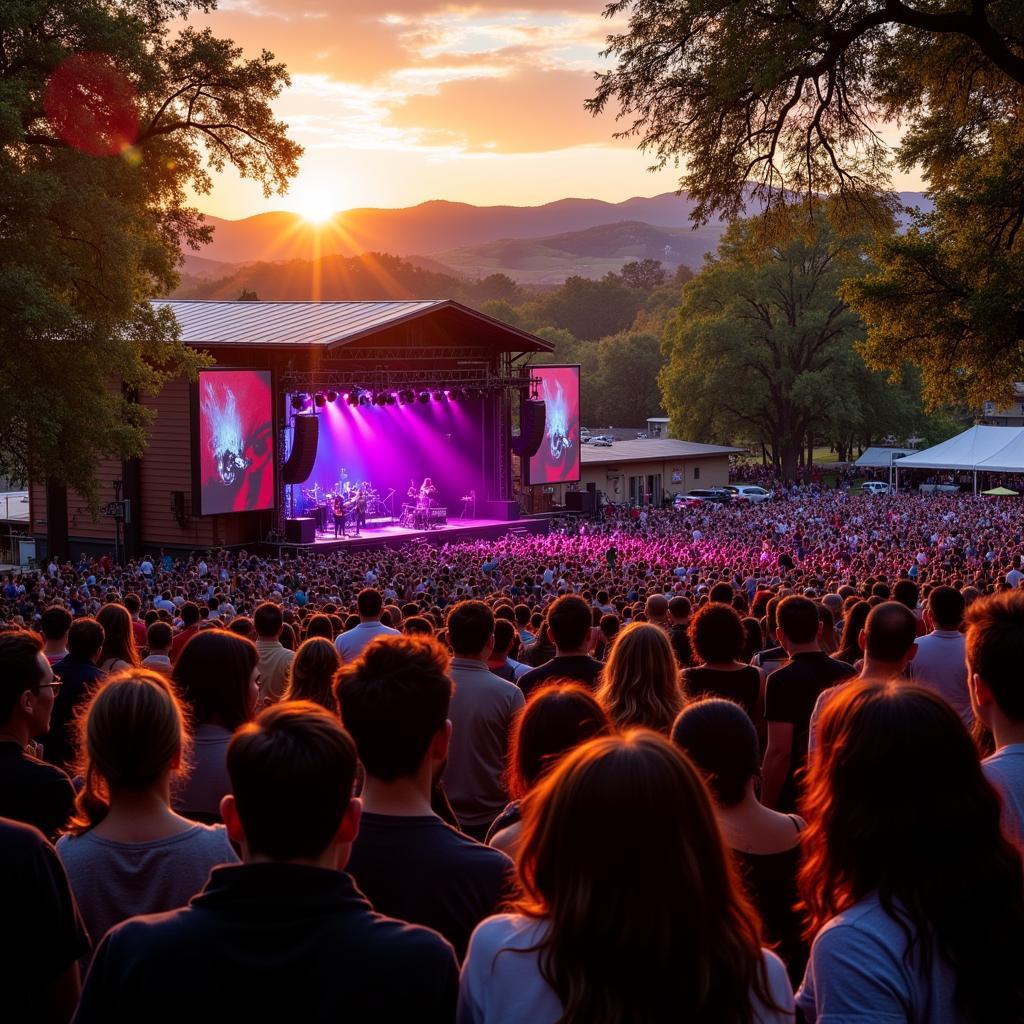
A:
x: 849, y: 649
x: 630, y: 910
x: 311, y: 673
x: 119, y: 649
x: 912, y: 894
x: 639, y: 684
x: 217, y: 676
x: 557, y: 718
x: 126, y: 851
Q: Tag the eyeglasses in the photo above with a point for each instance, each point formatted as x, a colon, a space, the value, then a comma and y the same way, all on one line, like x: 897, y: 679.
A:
x: 55, y: 686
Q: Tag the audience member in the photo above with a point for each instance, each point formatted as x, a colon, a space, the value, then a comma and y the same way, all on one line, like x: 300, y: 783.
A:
x: 568, y: 628
x: 940, y: 663
x: 311, y: 673
x: 274, y: 658
x: 190, y: 622
x: 79, y: 674
x: 639, y: 684
x: 54, y: 624
x: 119, y: 650
x: 716, y: 634
x: 679, y: 633
x: 160, y: 638
x: 370, y: 604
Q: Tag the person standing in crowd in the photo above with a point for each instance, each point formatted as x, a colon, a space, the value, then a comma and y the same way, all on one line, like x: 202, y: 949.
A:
x: 31, y: 790
x: 134, y: 606
x: 940, y: 663
x: 790, y: 695
x: 720, y: 739
x: 914, y: 898
x: 481, y: 712
x: 499, y: 662
x: 569, y: 629
x: 717, y: 636
x: 995, y: 654
x: 54, y: 624
x: 639, y: 685
x: 218, y: 678
x: 79, y: 674
x: 190, y: 617
x: 39, y: 975
x: 119, y: 650
x: 275, y: 658
x: 126, y: 852
x: 369, y: 604
x: 394, y: 702
x: 597, y: 936
x: 159, y: 638
x: 656, y: 610
x: 679, y: 633
x: 312, y: 671
x: 284, y: 913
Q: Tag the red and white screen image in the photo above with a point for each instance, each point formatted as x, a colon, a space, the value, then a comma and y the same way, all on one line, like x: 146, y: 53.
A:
x: 558, y: 458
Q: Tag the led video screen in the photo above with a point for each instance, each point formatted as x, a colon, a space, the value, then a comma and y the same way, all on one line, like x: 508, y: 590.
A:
x: 558, y: 458
x: 235, y: 442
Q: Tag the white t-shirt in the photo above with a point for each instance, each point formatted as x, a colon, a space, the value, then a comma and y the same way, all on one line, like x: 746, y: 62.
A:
x: 1005, y: 770
x: 509, y: 989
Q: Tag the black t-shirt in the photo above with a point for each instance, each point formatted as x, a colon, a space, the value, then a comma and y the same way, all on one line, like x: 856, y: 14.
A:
x: 79, y: 678
x: 790, y: 696
x: 271, y: 942
x: 45, y: 934
x: 741, y: 685
x: 679, y: 636
x: 580, y: 668
x: 33, y: 791
x: 421, y: 870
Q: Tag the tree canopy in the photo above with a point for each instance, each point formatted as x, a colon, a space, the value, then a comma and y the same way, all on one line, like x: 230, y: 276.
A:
x: 108, y: 117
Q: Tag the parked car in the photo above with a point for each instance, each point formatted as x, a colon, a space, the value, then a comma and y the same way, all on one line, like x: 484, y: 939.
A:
x: 584, y: 433
x: 642, y: 435
x: 714, y: 495
x: 749, y: 492
x: 600, y: 442
x: 875, y: 487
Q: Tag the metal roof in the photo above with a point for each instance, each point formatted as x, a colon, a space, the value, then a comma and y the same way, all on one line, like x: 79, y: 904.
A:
x: 215, y: 324
x: 657, y: 449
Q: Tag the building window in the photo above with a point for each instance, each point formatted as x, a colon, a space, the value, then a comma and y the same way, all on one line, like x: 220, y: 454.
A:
x: 696, y: 472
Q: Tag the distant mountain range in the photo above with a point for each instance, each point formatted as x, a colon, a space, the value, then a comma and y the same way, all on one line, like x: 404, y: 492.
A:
x: 532, y: 244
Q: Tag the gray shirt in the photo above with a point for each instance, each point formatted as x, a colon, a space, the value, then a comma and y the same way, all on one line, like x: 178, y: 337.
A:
x: 941, y: 665
x: 1005, y: 770
x: 481, y: 713
x: 207, y: 782
x: 351, y: 644
x: 114, y: 881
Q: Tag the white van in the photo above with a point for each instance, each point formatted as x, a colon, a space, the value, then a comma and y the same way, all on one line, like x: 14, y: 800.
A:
x: 875, y: 487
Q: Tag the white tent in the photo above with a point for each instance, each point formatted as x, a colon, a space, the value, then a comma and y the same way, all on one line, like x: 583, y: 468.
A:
x: 881, y: 458
x: 979, y: 449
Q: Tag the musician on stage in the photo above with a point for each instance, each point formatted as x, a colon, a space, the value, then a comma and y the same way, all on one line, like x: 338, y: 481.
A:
x: 427, y: 492
x: 340, y: 514
x: 342, y: 485
x: 359, y: 508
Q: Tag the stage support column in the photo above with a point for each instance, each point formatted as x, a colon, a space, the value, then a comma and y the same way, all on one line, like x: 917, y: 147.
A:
x: 131, y: 478
x: 56, y: 519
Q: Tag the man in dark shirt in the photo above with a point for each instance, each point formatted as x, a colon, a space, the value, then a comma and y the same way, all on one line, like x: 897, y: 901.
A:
x: 790, y: 695
x: 79, y: 674
x: 570, y: 624
x: 39, y: 970
x: 679, y: 633
x: 410, y: 864
x: 31, y: 790
x: 286, y: 935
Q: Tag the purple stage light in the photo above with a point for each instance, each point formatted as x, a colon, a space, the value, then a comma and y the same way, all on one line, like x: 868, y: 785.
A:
x: 332, y: 396
x: 424, y: 397
x: 299, y: 402
x: 319, y: 400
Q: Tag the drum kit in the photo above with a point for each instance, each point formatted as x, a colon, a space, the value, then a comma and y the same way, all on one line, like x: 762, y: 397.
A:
x: 323, y: 504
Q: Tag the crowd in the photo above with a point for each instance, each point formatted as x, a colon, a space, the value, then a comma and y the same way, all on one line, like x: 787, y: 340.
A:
x: 749, y: 765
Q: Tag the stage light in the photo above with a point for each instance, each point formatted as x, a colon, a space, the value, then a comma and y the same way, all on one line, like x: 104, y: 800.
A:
x: 319, y: 400
x: 352, y: 398
x: 364, y: 399
x: 439, y: 396
x: 332, y: 396
x: 424, y: 397
x: 299, y: 402
x: 390, y: 399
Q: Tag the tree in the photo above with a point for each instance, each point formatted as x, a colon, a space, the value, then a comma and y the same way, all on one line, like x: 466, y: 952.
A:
x: 248, y: 295
x: 762, y: 347
x: 108, y: 118
x: 645, y: 274
x: 592, y: 309
x: 625, y: 382
x: 764, y: 101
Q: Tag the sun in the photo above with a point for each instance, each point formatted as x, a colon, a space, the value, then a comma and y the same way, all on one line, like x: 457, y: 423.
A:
x: 314, y: 203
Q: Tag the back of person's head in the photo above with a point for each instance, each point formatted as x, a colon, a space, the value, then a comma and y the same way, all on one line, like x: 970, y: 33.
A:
x: 85, y: 639
x: 558, y: 717
x: 292, y: 771
x: 20, y: 668
x: 417, y: 625
x: 118, y: 635
x: 470, y: 628
x: 189, y: 613
x: 55, y: 622
x: 159, y: 636
x: 213, y: 674
x: 853, y: 624
x: 798, y: 619
x: 311, y: 673
x: 522, y: 614
x: 946, y: 608
x: 609, y: 625
x: 881, y: 591
x: 640, y: 680
x: 720, y: 739
x: 656, y: 606
x: 319, y: 625
x: 906, y: 592
x: 369, y: 603
x: 890, y: 631
x: 834, y: 603
x: 570, y: 622
x: 131, y: 732
x: 679, y: 608
x: 721, y: 593
x: 679, y: 920
x: 753, y: 639
x: 394, y: 701
x: 716, y: 633
x: 132, y: 603
x: 242, y: 626
x: 504, y: 636
x: 897, y: 805
x: 268, y: 619
x: 995, y: 648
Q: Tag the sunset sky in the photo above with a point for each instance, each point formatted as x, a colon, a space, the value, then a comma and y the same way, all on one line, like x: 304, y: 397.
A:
x: 400, y: 101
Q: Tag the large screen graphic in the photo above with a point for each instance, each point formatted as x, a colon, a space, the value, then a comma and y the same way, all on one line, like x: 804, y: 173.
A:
x: 235, y: 442
x: 557, y: 461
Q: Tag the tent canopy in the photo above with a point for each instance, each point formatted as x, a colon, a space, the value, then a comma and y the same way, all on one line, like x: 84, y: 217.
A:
x: 986, y: 449
x: 879, y: 458
x: 1001, y: 492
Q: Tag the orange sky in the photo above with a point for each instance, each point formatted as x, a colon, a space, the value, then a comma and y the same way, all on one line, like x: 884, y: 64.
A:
x: 400, y: 101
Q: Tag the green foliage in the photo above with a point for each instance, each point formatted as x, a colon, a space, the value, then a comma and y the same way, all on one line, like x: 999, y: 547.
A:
x: 644, y: 274
x: 592, y: 309
x: 92, y: 221
x: 626, y: 379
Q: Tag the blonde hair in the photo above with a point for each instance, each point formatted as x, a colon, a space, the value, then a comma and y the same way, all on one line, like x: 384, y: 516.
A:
x: 640, y: 681
x: 311, y: 673
x: 130, y: 731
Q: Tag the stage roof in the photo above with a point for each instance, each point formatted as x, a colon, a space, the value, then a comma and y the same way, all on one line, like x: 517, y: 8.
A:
x: 330, y: 325
x: 879, y: 458
x: 659, y: 449
x: 989, y: 449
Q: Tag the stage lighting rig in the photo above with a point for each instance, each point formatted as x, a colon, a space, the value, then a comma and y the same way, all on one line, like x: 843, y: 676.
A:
x: 299, y: 402
x: 424, y: 397
x: 319, y: 400
x: 332, y: 396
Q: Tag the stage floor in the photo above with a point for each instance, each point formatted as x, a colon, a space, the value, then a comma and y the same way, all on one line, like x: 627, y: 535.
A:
x: 387, y: 534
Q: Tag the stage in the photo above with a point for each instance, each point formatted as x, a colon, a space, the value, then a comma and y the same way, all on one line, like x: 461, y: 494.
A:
x: 385, y: 534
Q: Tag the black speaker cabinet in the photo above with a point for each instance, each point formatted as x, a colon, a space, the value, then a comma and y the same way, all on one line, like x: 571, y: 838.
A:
x: 300, y: 531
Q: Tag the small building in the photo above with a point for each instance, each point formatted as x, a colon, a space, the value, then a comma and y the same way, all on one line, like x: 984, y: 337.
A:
x: 1011, y: 415
x: 643, y: 472
x: 657, y: 426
